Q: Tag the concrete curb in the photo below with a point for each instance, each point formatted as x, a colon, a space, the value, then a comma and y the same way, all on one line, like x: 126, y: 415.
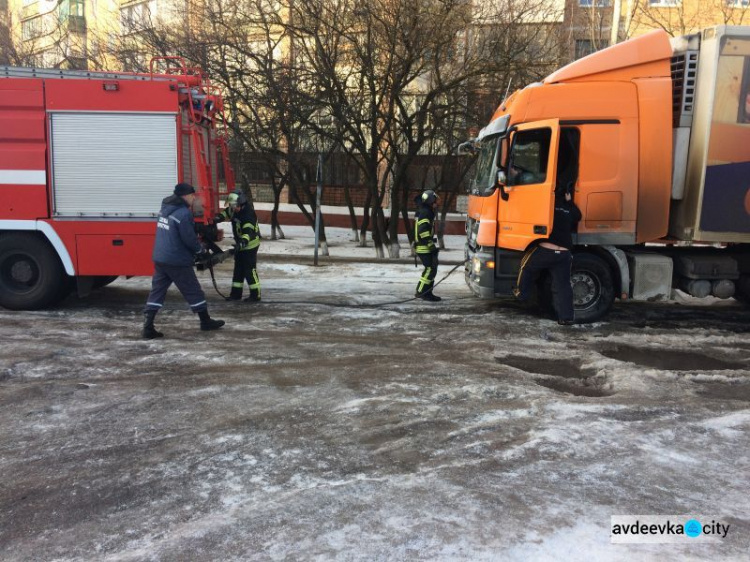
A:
x: 324, y: 260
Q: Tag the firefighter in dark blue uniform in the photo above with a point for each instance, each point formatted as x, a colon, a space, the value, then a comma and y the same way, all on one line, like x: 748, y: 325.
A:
x: 175, y: 248
x: 247, y: 239
x: 424, y: 243
x: 553, y: 254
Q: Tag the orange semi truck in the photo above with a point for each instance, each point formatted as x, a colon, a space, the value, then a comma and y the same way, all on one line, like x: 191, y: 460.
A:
x: 653, y: 137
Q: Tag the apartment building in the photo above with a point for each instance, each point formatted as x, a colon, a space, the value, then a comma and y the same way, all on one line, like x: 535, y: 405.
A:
x: 74, y: 34
x: 591, y: 25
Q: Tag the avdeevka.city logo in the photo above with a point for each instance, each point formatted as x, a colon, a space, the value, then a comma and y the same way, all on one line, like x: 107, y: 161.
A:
x: 666, y: 529
x: 693, y: 528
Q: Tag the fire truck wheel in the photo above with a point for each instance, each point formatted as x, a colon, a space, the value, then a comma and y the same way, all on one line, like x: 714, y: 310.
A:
x: 31, y: 275
x: 593, y: 289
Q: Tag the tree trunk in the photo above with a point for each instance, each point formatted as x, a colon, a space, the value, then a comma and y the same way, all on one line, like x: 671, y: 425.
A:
x: 394, y: 248
x: 408, y: 227
x: 377, y: 232
x: 443, y: 214
x: 294, y: 192
x: 379, y: 226
x: 352, y: 214
x: 365, y: 221
x: 275, y: 225
x: 246, y: 188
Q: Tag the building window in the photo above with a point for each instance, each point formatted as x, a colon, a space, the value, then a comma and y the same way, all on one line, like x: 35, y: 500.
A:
x: 31, y: 29
x: 584, y: 47
x: 664, y: 2
x: 591, y: 3
x: 73, y: 8
x: 138, y: 17
x: 738, y: 3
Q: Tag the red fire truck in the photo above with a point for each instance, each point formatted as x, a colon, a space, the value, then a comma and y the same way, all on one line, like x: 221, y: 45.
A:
x: 85, y: 160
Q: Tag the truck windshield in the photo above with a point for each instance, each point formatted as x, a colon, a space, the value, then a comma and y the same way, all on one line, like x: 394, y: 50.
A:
x: 484, y: 179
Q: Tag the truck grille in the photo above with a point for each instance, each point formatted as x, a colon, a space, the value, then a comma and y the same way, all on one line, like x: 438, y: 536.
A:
x: 684, y: 80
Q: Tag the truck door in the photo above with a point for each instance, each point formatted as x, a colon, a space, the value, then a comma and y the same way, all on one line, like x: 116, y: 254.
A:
x: 525, y: 211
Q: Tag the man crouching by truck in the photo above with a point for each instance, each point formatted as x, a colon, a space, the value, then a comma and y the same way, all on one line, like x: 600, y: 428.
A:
x: 174, y: 254
x: 553, y: 254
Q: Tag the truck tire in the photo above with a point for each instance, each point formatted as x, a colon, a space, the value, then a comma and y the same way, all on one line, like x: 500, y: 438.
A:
x: 31, y: 275
x: 743, y: 290
x: 593, y: 289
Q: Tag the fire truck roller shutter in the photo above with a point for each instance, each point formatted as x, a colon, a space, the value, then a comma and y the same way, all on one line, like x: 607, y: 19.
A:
x: 112, y: 164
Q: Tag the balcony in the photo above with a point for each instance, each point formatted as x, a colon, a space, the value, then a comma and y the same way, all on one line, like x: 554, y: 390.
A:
x: 30, y: 10
x: 76, y: 24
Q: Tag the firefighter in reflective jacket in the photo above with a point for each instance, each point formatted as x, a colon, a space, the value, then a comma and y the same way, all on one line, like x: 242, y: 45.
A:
x: 424, y: 243
x: 247, y: 239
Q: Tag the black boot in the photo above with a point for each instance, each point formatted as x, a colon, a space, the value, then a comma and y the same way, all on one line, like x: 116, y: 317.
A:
x: 428, y: 296
x: 208, y: 323
x: 149, y: 332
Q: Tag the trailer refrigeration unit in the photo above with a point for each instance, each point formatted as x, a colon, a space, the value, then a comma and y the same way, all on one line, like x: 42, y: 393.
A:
x: 85, y: 160
x: 653, y: 136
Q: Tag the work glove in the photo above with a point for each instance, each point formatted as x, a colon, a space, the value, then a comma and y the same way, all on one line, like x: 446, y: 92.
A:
x: 201, y: 259
x: 242, y: 244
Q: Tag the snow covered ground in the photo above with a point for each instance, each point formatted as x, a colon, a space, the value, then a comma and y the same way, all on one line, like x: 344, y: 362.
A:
x: 334, y: 421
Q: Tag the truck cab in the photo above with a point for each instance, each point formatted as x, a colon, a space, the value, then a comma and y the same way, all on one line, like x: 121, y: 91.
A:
x: 612, y: 128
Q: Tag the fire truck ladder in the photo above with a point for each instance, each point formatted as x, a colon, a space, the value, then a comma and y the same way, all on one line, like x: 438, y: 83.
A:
x: 20, y: 72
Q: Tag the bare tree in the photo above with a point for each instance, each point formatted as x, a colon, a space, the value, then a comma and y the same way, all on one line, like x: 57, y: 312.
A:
x: 479, y: 50
x: 392, y: 73
x: 590, y: 25
x: 682, y: 18
x: 381, y: 81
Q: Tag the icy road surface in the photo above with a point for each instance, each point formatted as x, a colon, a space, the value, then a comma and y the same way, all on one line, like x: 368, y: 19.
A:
x: 316, y: 426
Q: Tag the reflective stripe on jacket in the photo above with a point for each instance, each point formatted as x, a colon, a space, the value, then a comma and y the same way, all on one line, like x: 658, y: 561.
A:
x: 245, y: 226
x: 246, y: 229
x: 424, y: 226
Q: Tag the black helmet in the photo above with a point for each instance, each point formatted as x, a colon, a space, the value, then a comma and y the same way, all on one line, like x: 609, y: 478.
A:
x: 428, y: 197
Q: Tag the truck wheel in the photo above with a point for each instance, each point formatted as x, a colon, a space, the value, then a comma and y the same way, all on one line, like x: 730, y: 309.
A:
x: 31, y: 275
x: 743, y: 290
x: 593, y: 290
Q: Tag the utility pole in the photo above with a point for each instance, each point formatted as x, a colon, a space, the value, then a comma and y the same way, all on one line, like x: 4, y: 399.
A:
x: 628, y: 17
x: 317, y: 206
x: 616, y: 13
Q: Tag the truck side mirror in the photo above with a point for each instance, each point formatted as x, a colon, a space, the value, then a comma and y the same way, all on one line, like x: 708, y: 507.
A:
x: 501, y: 183
x: 466, y: 148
